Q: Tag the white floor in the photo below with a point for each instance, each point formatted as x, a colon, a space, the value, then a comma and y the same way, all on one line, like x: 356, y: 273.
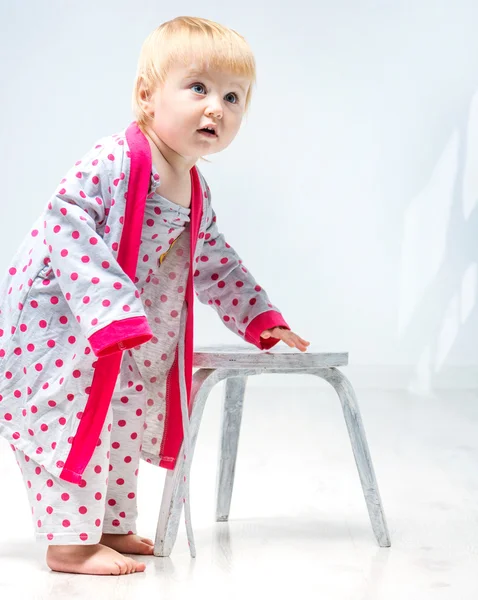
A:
x: 299, y: 527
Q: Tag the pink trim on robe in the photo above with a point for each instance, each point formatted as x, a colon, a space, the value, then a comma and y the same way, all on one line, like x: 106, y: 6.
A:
x: 173, y: 427
x: 107, y: 367
x: 259, y: 324
x: 120, y: 335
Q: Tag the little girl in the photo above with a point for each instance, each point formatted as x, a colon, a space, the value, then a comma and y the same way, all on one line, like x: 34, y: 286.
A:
x: 96, y: 314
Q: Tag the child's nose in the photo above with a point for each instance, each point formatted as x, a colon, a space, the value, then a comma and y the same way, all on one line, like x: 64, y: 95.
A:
x: 214, y: 109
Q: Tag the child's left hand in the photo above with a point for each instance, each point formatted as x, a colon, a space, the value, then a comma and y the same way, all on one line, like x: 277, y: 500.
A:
x: 289, y: 337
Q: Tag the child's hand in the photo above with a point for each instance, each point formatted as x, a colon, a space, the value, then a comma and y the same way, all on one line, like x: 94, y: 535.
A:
x: 289, y: 337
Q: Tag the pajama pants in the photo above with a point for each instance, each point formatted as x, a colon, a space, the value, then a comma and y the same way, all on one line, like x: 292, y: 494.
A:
x: 105, y: 500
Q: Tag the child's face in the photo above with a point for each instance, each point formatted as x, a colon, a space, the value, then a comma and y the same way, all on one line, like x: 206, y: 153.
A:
x: 193, y: 98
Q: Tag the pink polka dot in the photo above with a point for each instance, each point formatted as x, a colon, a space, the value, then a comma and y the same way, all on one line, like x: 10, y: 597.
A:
x: 65, y: 523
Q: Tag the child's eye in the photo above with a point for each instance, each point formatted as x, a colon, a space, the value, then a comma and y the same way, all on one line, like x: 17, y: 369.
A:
x: 198, y: 88
x: 232, y: 98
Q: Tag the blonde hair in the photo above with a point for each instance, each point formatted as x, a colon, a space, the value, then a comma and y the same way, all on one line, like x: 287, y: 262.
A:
x: 184, y: 40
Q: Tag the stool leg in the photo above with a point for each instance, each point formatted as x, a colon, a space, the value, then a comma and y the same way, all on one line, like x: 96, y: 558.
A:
x: 361, y: 451
x: 173, y: 492
x: 231, y: 426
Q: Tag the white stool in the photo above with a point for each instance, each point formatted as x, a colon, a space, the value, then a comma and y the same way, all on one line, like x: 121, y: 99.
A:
x: 236, y: 364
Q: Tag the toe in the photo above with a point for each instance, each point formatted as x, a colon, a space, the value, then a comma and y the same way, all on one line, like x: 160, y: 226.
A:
x: 147, y: 549
x: 147, y: 541
x: 140, y: 567
x: 123, y: 567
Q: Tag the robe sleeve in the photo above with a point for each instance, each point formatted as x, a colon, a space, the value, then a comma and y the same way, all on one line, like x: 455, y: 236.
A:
x: 223, y: 282
x: 102, y: 298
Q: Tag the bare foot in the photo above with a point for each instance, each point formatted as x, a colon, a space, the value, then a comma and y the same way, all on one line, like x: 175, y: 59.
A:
x: 91, y: 559
x: 127, y: 544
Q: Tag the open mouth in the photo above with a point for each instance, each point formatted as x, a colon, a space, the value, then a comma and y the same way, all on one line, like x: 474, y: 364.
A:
x: 209, y: 132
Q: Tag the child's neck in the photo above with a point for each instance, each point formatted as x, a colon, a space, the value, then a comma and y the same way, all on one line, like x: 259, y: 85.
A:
x: 163, y: 155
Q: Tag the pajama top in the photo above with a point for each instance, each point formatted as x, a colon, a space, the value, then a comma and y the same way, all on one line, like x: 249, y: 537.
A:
x: 112, y: 266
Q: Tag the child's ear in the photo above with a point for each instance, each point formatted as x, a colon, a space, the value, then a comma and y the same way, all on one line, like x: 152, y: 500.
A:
x: 145, y: 96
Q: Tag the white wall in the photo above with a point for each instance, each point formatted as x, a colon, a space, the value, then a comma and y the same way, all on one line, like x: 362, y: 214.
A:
x: 358, y: 161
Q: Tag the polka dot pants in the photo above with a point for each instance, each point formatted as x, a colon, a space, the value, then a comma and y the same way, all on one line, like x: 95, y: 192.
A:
x: 105, y: 500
